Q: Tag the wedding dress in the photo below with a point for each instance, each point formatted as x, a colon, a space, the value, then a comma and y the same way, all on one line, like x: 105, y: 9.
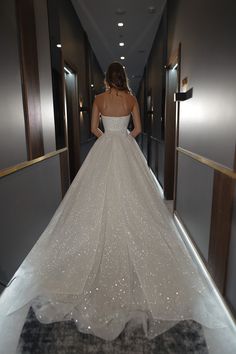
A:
x: 110, y: 255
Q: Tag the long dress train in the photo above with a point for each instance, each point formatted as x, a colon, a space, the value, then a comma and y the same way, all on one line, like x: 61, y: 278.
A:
x: 110, y: 253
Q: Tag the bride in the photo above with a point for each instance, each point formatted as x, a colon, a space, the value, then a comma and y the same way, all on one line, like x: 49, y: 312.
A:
x: 111, y: 255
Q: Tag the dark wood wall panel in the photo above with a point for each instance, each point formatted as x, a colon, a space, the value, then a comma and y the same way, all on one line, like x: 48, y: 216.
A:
x: 57, y: 72
x: 230, y: 283
x: 221, y: 219
x: 30, y: 77
x: 12, y: 130
x: 72, y: 106
x: 45, y: 75
x: 170, y: 132
x: 151, y: 97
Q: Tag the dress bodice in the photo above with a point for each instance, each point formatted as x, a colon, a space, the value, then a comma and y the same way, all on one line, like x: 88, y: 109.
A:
x: 117, y: 124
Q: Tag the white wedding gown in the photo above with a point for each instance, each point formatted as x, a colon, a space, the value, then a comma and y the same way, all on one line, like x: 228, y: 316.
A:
x: 111, y: 253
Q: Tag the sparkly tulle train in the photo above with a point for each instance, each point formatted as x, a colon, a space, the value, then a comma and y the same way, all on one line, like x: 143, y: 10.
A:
x: 111, y: 255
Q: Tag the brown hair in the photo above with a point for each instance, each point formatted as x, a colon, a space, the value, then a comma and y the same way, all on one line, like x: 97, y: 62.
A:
x: 116, y: 77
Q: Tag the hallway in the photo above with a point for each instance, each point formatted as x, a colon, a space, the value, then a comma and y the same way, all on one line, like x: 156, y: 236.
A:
x: 179, y: 57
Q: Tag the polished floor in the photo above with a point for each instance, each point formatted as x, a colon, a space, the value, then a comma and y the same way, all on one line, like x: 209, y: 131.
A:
x: 32, y: 337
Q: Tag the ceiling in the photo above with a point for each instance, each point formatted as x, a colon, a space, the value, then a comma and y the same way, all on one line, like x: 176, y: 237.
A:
x: 141, y: 18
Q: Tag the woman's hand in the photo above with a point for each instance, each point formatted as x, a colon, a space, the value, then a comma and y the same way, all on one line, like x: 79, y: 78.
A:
x: 135, y: 132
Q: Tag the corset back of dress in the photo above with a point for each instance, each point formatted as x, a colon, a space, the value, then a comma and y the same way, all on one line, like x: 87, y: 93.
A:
x: 115, y: 124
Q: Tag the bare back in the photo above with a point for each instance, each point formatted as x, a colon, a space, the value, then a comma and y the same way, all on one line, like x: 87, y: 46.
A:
x: 111, y: 104
x: 115, y: 104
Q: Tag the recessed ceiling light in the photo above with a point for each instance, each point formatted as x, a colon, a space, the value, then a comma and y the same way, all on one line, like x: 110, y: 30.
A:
x: 136, y: 76
x: 122, y: 58
x: 151, y: 9
x: 120, y: 24
x: 58, y: 45
x: 120, y: 11
x: 121, y: 44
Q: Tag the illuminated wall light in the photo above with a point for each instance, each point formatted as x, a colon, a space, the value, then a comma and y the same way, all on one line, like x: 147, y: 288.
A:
x: 58, y: 45
x: 81, y: 116
x: 120, y: 24
x: 121, y: 44
x: 92, y: 85
x: 122, y: 58
x: 67, y: 71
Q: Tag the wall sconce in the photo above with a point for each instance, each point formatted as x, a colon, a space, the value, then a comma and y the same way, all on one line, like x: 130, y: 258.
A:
x: 185, y: 84
x: 183, y: 96
x: 82, y: 108
x: 175, y: 66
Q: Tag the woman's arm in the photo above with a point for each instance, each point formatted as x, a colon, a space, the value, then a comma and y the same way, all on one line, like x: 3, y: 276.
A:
x: 136, y: 119
x: 95, y: 120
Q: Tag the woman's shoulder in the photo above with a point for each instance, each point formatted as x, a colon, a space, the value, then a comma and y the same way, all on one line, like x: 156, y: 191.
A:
x: 99, y: 98
x: 100, y: 95
x: 105, y: 94
x: 132, y: 97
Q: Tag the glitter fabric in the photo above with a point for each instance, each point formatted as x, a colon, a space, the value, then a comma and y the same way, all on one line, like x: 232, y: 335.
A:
x: 111, y: 254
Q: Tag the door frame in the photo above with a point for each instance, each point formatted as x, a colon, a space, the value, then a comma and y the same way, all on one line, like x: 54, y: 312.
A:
x: 75, y: 121
x: 174, y: 60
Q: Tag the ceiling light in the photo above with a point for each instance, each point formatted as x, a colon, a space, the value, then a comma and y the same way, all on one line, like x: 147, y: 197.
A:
x: 58, y: 45
x: 122, y: 58
x: 151, y: 9
x: 121, y: 44
x: 120, y: 11
x: 120, y: 24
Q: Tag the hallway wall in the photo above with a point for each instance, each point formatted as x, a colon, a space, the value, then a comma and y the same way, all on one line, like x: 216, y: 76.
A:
x: 77, y: 51
x: 206, y: 30
x: 12, y: 116
x: 207, y: 127
x: 31, y: 188
x: 208, y: 120
x: 151, y: 95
